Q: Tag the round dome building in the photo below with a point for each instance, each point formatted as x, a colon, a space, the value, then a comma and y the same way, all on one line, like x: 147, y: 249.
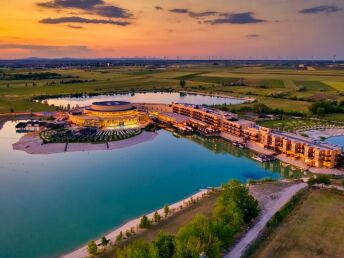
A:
x: 108, y: 114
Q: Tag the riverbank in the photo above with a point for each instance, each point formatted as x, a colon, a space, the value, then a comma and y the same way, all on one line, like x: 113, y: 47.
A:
x: 31, y: 143
x: 134, y: 224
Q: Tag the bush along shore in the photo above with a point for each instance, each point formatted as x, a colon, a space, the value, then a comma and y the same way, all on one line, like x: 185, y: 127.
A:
x: 201, y: 237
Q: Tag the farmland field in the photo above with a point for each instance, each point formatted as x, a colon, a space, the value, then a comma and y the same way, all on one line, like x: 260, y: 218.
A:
x: 313, y: 229
x: 277, y: 88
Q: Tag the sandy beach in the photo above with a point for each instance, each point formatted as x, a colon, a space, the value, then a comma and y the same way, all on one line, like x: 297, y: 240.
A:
x: 33, y: 144
x: 133, y: 224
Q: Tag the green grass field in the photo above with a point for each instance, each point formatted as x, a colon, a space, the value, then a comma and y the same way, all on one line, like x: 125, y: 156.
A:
x: 261, y: 83
x: 313, y: 85
x: 293, y: 124
x: 314, y: 229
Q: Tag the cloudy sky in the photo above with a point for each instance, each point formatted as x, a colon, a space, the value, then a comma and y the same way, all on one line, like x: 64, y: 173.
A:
x: 227, y: 29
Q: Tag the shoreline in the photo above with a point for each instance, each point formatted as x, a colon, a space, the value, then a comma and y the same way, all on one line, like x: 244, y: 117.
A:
x: 31, y: 143
x: 221, y: 95
x: 82, y: 252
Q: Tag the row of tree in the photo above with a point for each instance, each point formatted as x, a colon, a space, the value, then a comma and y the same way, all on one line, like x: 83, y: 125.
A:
x: 327, y: 107
x: 202, y: 237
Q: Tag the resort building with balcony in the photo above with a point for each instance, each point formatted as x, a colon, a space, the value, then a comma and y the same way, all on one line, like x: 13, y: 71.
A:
x: 312, y: 153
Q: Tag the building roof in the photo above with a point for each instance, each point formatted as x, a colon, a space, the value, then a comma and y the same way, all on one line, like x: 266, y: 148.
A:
x: 111, y: 106
x: 310, y: 142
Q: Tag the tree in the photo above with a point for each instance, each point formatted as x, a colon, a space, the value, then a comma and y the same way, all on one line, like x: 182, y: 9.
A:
x: 139, y: 249
x: 261, y: 108
x: 92, y: 248
x: 319, y: 179
x: 104, y: 241
x: 321, y: 111
x: 229, y: 213
x: 157, y: 217
x: 166, y: 210
x: 165, y: 245
x: 224, y: 232
x: 239, y: 194
x: 144, y: 223
x: 199, y: 236
x: 182, y: 83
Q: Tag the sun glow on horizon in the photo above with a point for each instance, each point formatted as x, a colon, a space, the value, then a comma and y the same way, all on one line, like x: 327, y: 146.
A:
x: 189, y: 29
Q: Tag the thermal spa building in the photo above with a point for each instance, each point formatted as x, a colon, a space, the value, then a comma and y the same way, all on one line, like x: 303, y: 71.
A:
x: 108, y: 114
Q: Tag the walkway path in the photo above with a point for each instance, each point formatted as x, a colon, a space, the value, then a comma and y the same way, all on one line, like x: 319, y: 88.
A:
x: 239, y: 249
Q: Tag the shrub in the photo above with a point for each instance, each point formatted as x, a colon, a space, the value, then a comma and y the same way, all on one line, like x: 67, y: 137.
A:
x: 138, y: 249
x: 199, y: 236
x: 166, y: 210
x: 320, y: 179
x: 119, y: 237
x: 144, y: 223
x: 156, y: 217
x: 165, y: 243
x: 104, y: 241
x: 92, y: 248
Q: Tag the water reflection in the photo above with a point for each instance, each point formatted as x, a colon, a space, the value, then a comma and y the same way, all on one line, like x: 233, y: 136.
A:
x: 218, y: 145
x: 149, y: 97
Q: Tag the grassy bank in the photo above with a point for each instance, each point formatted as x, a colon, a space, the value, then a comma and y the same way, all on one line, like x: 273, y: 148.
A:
x: 313, y: 228
x: 172, y: 224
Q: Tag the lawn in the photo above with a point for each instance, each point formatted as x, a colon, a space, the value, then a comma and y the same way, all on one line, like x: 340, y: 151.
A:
x: 292, y: 124
x: 314, y: 229
x: 313, y: 85
x: 273, y: 83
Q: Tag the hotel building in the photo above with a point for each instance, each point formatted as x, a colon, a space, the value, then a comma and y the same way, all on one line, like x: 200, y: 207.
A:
x: 312, y: 153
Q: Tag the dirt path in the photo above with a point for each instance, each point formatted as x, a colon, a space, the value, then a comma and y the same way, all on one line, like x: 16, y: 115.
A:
x: 238, y: 250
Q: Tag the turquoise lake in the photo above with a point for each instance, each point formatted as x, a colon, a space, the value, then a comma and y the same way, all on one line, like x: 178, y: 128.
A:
x: 51, y: 204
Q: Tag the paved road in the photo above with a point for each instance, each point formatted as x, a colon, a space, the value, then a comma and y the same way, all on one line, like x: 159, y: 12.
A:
x: 238, y: 250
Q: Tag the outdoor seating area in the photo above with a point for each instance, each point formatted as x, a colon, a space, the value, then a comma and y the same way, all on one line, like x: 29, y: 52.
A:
x: 88, y: 134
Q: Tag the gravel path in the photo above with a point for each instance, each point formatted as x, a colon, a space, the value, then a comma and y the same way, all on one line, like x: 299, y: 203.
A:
x: 238, y: 250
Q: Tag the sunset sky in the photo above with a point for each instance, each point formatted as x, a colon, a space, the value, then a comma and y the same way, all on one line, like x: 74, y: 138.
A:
x: 226, y: 29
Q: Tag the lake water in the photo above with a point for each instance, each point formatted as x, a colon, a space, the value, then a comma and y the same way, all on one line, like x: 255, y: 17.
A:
x: 51, y: 204
x: 149, y: 97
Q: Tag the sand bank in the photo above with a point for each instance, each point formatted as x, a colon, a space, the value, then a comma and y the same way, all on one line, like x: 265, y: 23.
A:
x: 33, y: 144
x: 134, y: 224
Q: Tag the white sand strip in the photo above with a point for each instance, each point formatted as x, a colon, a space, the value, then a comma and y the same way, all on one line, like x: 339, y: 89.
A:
x: 32, y: 144
x: 74, y: 147
x: 133, y: 224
